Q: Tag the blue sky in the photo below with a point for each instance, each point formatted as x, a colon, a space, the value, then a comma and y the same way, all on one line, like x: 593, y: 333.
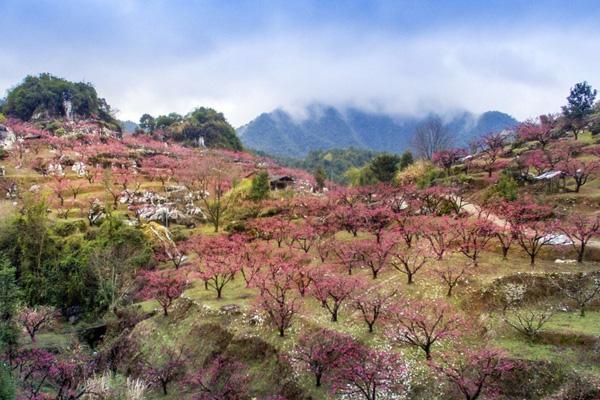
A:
x: 247, y: 57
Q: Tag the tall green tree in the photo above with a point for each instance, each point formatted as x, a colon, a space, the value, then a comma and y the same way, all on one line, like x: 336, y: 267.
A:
x: 9, y: 299
x: 384, y: 167
x: 260, y: 186
x: 319, y: 176
x: 147, y: 123
x: 37, y: 250
x: 406, y: 159
x: 580, y: 104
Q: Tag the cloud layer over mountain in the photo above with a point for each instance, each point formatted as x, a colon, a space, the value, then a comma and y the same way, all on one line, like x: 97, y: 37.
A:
x: 247, y: 57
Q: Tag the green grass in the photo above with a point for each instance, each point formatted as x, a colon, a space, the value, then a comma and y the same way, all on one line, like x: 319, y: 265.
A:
x: 573, y: 323
x: 522, y: 349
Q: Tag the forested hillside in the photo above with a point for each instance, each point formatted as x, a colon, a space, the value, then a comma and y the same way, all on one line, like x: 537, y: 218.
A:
x: 325, y: 127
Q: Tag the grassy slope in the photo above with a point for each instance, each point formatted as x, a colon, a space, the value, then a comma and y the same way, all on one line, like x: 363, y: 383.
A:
x: 183, y: 331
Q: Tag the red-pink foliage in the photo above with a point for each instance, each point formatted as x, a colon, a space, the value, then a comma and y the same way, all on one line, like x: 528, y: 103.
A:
x: 370, y: 374
x: 473, y: 372
x: 334, y: 290
x: 423, y: 324
x: 322, y: 351
x: 163, y: 286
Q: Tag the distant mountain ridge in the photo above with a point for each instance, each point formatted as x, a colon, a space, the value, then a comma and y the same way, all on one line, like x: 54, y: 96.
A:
x: 325, y: 127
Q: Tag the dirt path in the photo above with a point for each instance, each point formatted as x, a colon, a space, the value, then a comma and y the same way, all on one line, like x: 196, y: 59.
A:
x: 473, y: 209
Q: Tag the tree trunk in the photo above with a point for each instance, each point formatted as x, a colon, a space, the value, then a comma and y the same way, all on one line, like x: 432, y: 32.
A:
x: 581, y: 252
x: 334, y: 315
x: 427, y: 349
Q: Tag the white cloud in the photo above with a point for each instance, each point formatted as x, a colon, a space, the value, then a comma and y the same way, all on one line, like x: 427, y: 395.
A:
x: 518, y: 72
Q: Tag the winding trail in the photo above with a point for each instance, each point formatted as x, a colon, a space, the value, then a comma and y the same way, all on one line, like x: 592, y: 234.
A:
x: 473, y: 209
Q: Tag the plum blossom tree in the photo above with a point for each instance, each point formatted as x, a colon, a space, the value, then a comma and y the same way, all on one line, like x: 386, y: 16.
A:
x: 213, y: 181
x: 447, y: 158
x: 440, y: 232
x: 409, y: 261
x: 474, y: 236
x: 334, y: 290
x: 451, y: 275
x: 163, y: 286
x: 579, y: 170
x: 348, y: 255
x: 35, y: 318
x: 322, y: 351
x: 223, y: 379
x: 433, y: 200
x: 540, y: 130
x: 580, y: 230
x: 408, y: 228
x: 172, y: 252
x: 304, y: 237
x: 370, y: 374
x: 324, y: 247
x: 374, y: 303
x: 532, y: 237
x: 491, y: 145
x: 581, y: 288
x: 350, y: 218
x: 43, y: 374
x: 505, y: 236
x: 528, y: 321
x: 377, y: 219
x: 376, y: 253
x: 278, y: 297
x: 169, y: 367
x: 219, y: 262
x: 472, y: 372
x: 424, y: 323
x: 273, y: 228
x: 160, y: 168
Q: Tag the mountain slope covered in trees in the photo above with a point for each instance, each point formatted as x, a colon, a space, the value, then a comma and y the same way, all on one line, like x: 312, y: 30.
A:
x: 326, y: 127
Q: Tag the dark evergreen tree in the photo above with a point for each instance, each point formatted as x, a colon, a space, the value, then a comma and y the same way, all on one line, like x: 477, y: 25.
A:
x: 384, y: 167
x: 9, y: 298
x: 320, y: 177
x: 147, y: 123
x: 406, y: 159
x: 579, y: 105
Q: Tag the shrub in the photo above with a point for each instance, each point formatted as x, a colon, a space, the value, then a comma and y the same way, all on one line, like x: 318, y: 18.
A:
x: 414, y: 172
x: 67, y: 228
x: 7, y: 386
x: 260, y: 186
x: 506, y: 188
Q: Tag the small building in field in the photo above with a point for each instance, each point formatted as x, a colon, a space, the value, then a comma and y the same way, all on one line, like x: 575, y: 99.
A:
x: 280, y: 182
